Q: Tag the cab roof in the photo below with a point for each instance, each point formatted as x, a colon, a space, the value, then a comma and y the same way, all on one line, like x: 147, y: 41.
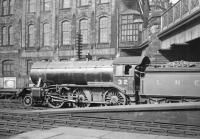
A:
x: 134, y: 60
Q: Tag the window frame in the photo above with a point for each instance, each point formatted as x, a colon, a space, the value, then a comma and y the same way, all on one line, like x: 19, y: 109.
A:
x: 48, y: 32
x: 6, y: 6
x: 4, y: 36
x: 103, y: 29
x: 82, y: 4
x: 123, y: 70
x: 29, y: 64
x: 84, y: 31
x: 10, y: 34
x: 8, y: 68
x: 107, y: 1
x: 62, y: 6
x: 31, y: 35
x: 68, y: 31
x: 31, y: 6
x: 130, y: 30
x: 47, y: 3
x: 11, y: 7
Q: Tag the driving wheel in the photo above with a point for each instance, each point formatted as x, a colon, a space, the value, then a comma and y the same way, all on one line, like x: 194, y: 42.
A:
x: 114, y: 97
x: 83, y: 97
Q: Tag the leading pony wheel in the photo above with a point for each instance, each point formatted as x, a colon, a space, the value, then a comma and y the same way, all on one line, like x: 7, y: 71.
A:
x: 28, y: 101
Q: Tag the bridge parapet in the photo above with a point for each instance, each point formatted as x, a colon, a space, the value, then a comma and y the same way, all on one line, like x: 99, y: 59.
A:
x: 179, y: 12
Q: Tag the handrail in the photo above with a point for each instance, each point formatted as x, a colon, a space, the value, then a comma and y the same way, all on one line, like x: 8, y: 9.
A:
x: 178, y: 12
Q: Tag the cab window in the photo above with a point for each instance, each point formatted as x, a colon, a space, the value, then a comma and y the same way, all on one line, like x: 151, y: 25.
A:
x: 127, y: 69
x: 123, y: 70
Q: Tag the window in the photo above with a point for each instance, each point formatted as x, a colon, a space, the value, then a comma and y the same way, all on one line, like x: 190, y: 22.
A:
x: 46, y: 34
x: 84, y: 30
x: 119, y: 70
x: 31, y: 36
x: 103, y: 1
x: 66, y: 35
x: 10, y: 35
x: 11, y: 7
x: 4, y: 36
x: 83, y: 2
x: 31, y: 6
x: 103, y: 30
x: 46, y: 5
x: 123, y: 70
x: 5, y: 7
x: 65, y: 3
x: 127, y: 69
x: 129, y: 29
x: 8, y: 68
x: 29, y: 64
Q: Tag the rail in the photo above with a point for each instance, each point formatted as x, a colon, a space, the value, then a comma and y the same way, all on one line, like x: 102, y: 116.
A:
x: 179, y: 120
x: 179, y: 12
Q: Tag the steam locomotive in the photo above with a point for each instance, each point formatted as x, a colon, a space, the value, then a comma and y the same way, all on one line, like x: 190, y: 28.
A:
x: 123, y: 81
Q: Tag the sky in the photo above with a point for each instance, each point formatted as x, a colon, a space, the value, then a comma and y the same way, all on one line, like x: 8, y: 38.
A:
x: 173, y: 1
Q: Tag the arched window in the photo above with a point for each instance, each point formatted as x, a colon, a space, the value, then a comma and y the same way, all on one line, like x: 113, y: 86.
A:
x: 31, y: 6
x: 29, y: 63
x: 84, y: 30
x: 103, y: 30
x: 5, y: 7
x: 66, y: 33
x: 11, y: 7
x: 10, y: 35
x: 46, y: 5
x: 46, y: 34
x: 31, y: 36
x: 8, y: 68
x: 4, y: 36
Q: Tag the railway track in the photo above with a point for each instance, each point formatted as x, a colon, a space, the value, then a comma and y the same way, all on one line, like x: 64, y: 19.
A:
x: 15, y: 104
x: 169, y: 120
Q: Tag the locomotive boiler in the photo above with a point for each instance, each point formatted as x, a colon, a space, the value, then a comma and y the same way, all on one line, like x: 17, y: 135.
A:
x: 79, y: 72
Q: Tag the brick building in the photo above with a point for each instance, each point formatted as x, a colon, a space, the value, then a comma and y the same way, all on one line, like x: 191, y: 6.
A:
x: 33, y: 30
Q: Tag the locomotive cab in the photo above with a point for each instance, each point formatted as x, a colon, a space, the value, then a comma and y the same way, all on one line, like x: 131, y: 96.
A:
x: 124, y: 73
